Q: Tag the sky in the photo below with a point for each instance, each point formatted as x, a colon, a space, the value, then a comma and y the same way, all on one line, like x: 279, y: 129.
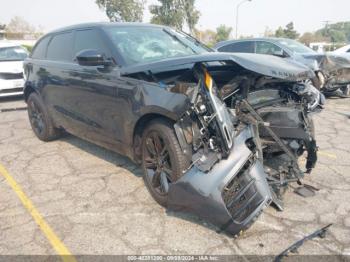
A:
x: 254, y: 16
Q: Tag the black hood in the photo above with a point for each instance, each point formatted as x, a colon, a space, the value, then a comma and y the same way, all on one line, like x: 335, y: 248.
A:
x: 261, y: 64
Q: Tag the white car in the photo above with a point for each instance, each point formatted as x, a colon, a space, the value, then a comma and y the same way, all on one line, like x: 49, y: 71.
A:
x: 342, y: 50
x: 11, y: 69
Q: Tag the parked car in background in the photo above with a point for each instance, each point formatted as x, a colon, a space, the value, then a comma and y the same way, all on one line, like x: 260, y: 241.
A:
x: 11, y: 69
x: 332, y: 71
x: 342, y: 50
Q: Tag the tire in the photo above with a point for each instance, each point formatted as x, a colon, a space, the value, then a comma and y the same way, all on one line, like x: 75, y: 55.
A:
x: 40, y: 120
x: 163, y: 161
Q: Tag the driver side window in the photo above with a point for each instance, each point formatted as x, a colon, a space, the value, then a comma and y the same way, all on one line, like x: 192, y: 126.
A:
x: 267, y: 48
x: 89, y: 39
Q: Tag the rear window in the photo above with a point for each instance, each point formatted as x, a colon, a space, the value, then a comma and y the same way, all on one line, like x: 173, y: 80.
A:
x: 60, y: 47
x: 39, y: 51
x: 240, y: 47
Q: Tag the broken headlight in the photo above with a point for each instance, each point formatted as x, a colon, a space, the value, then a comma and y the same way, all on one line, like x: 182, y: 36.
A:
x: 310, y: 95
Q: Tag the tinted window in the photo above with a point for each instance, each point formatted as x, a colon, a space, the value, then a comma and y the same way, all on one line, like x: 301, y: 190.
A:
x: 60, y: 47
x: 89, y: 39
x: 267, y: 48
x: 39, y: 51
x: 240, y: 47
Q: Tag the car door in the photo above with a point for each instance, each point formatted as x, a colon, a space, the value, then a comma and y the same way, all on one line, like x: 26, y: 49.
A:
x: 92, y: 98
x: 53, y: 77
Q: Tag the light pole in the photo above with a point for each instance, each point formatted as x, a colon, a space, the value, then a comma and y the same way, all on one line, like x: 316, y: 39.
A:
x: 237, y: 12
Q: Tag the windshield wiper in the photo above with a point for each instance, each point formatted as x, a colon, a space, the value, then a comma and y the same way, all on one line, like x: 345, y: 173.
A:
x: 179, y: 40
x: 196, y: 41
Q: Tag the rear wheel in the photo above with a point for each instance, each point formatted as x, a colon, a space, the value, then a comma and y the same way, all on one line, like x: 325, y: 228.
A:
x: 163, y: 162
x: 40, y: 120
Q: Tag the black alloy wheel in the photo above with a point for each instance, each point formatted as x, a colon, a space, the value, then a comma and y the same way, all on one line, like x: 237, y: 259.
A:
x: 163, y: 161
x: 157, y: 163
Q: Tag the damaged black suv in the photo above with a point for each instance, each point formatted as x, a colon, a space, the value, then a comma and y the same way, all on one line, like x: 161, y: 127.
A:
x: 193, y: 118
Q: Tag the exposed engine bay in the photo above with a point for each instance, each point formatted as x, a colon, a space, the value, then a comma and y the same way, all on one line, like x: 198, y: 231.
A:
x: 243, y: 130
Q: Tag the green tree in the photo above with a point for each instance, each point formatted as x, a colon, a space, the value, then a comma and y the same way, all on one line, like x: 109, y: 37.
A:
x: 337, y: 36
x: 338, y: 32
x: 191, y: 14
x: 223, y: 33
x: 176, y: 13
x: 290, y: 32
x: 2, y: 31
x: 279, y: 32
x: 169, y: 12
x: 122, y: 10
x: 287, y: 32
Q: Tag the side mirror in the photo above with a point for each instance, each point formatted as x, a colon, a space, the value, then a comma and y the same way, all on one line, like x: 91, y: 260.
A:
x: 91, y: 57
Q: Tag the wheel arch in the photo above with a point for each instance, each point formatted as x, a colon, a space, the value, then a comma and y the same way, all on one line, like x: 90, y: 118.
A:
x: 27, y: 91
x: 140, y: 125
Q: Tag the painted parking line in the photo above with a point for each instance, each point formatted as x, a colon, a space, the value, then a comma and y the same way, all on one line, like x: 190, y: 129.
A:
x: 56, y: 243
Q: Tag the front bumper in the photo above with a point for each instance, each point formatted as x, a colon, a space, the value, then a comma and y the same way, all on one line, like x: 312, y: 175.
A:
x: 231, y: 195
x: 11, y: 87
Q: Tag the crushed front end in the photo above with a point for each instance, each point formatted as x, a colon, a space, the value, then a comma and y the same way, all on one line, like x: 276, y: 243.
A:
x: 231, y: 195
x: 226, y: 183
x: 229, y: 180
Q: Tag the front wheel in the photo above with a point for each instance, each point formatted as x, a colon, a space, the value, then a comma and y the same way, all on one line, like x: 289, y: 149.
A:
x: 163, y: 162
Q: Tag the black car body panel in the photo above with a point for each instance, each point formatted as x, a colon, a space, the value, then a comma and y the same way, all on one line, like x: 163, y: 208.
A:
x: 264, y: 65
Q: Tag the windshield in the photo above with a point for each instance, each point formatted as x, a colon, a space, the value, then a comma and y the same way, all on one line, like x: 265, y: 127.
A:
x: 13, y: 53
x: 295, y: 46
x: 148, y: 44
